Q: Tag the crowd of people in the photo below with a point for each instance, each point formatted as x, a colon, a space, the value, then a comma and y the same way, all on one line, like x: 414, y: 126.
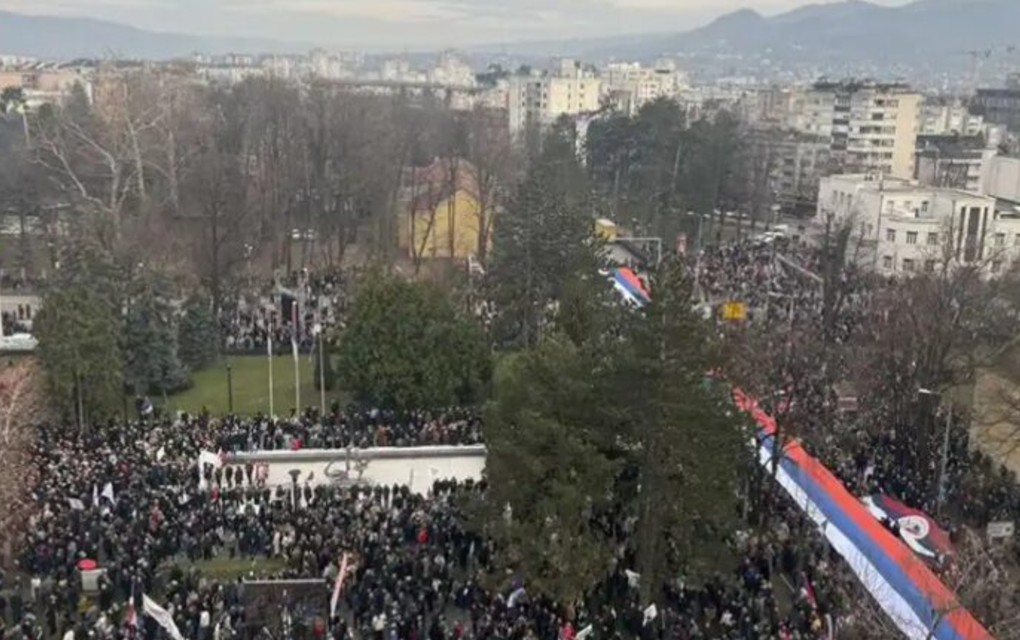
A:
x: 264, y: 313
x: 341, y: 429
x: 128, y: 496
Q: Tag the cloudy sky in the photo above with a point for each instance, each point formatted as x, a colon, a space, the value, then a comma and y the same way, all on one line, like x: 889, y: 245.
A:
x: 405, y: 23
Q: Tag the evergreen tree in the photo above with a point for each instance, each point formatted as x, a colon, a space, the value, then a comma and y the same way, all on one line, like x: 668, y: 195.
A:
x: 548, y: 479
x: 616, y: 422
x: 542, y: 242
x: 151, y: 361
x: 406, y: 347
x: 684, y: 444
x: 78, y: 328
x: 197, y: 334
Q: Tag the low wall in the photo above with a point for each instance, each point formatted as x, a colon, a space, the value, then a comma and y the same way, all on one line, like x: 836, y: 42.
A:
x: 417, y: 467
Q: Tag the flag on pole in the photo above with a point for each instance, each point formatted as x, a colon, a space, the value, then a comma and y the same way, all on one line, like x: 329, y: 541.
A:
x: 161, y: 616
x: 338, y: 585
x: 108, y: 492
x: 76, y: 504
x: 131, y: 615
x: 294, y: 330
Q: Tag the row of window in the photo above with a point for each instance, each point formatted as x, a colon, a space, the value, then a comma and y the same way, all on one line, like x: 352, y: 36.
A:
x: 998, y: 240
x: 910, y: 265
x: 933, y: 237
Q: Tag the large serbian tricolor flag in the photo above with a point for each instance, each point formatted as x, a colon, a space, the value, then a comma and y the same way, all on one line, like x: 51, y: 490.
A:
x: 900, y: 581
x: 916, y: 528
x: 630, y: 287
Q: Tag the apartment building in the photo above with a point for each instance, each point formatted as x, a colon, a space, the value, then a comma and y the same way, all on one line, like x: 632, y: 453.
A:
x: 900, y: 227
x: 797, y: 161
x: 629, y: 86
x: 947, y: 116
x: 41, y: 85
x: 871, y: 127
x: 540, y: 98
x: 952, y: 161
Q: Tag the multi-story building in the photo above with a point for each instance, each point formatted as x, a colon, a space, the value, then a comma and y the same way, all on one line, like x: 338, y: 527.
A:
x: 798, y: 161
x: 952, y: 161
x: 871, y: 127
x: 998, y: 106
x: 539, y: 99
x: 41, y: 84
x: 630, y: 86
x: 451, y: 70
x: 902, y: 227
x: 945, y: 116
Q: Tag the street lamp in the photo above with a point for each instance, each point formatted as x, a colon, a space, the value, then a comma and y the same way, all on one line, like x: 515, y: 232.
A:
x: 944, y: 463
x: 230, y: 389
x: 317, y: 331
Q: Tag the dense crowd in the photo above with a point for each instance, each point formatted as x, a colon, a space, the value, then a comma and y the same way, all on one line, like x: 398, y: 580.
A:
x: 263, y: 313
x: 417, y: 569
x: 340, y: 429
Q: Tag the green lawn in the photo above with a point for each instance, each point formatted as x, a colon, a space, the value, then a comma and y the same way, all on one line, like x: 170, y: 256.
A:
x: 250, y: 376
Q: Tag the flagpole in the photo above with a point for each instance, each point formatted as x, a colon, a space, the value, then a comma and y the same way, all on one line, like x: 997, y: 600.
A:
x: 294, y: 348
x: 269, y: 357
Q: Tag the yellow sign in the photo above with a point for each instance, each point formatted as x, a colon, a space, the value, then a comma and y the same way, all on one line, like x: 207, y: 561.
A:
x: 734, y: 311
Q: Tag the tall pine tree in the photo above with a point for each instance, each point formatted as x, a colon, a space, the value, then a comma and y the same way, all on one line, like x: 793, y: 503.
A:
x: 151, y: 361
x: 542, y: 242
x: 78, y: 328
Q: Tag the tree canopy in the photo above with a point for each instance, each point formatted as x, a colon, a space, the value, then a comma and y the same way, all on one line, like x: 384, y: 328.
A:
x: 405, y: 346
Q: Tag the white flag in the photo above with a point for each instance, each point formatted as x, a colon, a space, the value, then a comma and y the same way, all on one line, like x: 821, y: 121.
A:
x: 108, y: 492
x: 161, y: 454
x: 161, y: 616
x: 95, y: 495
x: 76, y: 504
x: 204, y: 458
x: 633, y: 578
x: 651, y: 613
x: 584, y: 633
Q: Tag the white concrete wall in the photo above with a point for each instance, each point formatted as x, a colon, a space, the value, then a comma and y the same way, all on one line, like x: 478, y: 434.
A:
x: 417, y: 467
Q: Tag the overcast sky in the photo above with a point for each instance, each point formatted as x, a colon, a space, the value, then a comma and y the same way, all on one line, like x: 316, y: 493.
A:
x: 406, y: 23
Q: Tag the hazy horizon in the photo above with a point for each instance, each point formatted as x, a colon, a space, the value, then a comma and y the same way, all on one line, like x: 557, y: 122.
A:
x: 405, y: 24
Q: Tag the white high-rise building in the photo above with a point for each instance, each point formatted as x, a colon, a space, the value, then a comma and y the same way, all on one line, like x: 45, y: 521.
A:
x: 871, y: 127
x: 630, y: 86
x: 541, y: 98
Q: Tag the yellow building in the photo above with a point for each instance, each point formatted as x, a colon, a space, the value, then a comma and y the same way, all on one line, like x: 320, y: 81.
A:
x: 441, y: 214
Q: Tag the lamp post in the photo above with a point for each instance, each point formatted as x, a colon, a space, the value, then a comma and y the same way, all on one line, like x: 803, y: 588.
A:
x: 230, y: 388
x: 944, y: 462
x: 317, y: 330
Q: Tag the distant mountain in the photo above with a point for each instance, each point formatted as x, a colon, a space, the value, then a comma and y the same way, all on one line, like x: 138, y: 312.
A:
x: 58, y: 38
x: 926, y: 33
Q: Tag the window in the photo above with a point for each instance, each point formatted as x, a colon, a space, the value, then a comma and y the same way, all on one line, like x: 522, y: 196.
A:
x: 929, y: 266
x: 924, y: 206
x: 908, y: 264
x: 1000, y: 239
x: 933, y: 239
x: 887, y: 262
x: 1016, y: 240
x: 890, y: 235
x: 911, y: 237
x: 996, y: 266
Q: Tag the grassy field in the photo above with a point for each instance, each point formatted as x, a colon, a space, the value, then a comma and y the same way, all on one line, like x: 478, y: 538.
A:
x: 250, y: 376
